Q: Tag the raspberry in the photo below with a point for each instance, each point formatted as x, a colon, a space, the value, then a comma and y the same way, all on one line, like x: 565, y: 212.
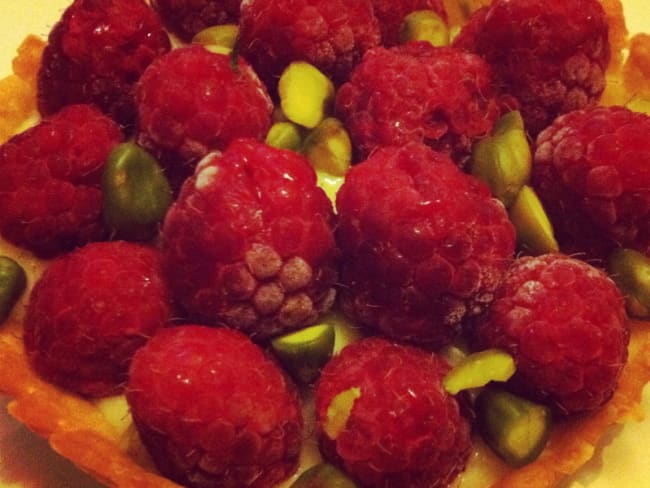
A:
x: 404, y: 429
x: 191, y: 101
x: 390, y: 15
x: 91, y: 310
x: 423, y: 245
x: 416, y: 92
x: 551, y: 56
x: 189, y: 17
x: 213, y: 410
x: 564, y: 323
x: 96, y: 53
x: 249, y: 242
x: 590, y: 171
x: 50, y: 196
x: 330, y: 34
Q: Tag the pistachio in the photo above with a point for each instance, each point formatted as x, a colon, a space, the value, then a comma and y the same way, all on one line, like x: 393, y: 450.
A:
x: 424, y: 25
x: 306, y: 94
x: 339, y: 411
x: 639, y: 104
x: 328, y: 147
x: 323, y: 475
x: 136, y: 193
x: 284, y: 135
x: 218, y: 38
x: 13, y: 282
x: 503, y: 160
x: 534, y: 229
x: 631, y: 271
x: 478, y: 369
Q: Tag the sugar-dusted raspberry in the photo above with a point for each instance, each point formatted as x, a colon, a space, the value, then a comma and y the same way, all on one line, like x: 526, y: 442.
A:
x: 416, y: 92
x: 91, y: 310
x: 591, y: 171
x: 551, y: 56
x: 192, y: 101
x: 564, y: 322
x: 403, y: 429
x: 423, y: 245
x: 188, y: 17
x: 330, y: 34
x: 213, y: 410
x: 390, y: 15
x: 96, y: 53
x: 50, y: 196
x: 249, y: 242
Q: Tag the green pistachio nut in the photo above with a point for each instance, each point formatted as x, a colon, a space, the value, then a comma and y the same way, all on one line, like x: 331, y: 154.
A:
x: 306, y: 94
x: 13, y: 282
x: 323, y: 475
x: 328, y: 147
x: 534, y: 230
x: 136, y: 193
x: 631, y: 271
x: 639, y: 104
x: 503, y: 160
x: 218, y: 38
x: 515, y: 428
x: 424, y: 25
x: 285, y: 135
x: 478, y: 369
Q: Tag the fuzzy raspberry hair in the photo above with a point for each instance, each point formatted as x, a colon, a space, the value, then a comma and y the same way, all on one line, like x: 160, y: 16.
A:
x: 249, y: 242
x: 423, y: 245
x: 551, y: 56
x: 330, y: 34
x: 96, y: 53
x: 50, y: 195
x: 564, y: 322
x: 192, y: 101
x: 404, y: 429
x: 213, y: 410
x: 442, y: 97
x: 188, y: 17
x: 91, y: 310
x: 591, y: 170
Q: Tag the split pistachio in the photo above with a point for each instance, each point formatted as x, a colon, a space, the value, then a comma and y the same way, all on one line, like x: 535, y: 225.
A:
x: 478, y: 369
x: 328, y: 147
x: 514, y: 427
x: 631, y: 271
x: 323, y: 475
x: 306, y: 94
x: 284, y: 135
x: 218, y: 38
x: 13, y: 282
x: 424, y: 25
x: 136, y: 193
x: 534, y: 229
x: 304, y: 352
x: 503, y: 160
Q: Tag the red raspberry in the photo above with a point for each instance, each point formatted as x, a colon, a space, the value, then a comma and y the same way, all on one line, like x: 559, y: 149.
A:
x: 89, y: 313
x: 591, y: 172
x: 213, y: 410
x: 564, y: 322
x: 423, y: 245
x: 404, y: 429
x: 50, y: 195
x: 390, y: 15
x: 330, y: 34
x: 416, y: 92
x: 551, y: 55
x: 96, y: 53
x: 188, y: 17
x: 249, y: 242
x: 191, y: 101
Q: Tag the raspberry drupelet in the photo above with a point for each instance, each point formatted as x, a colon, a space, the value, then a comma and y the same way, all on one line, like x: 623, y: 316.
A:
x: 50, y: 195
x: 249, y: 242
x: 91, y: 310
x: 564, y: 323
x: 192, y: 101
x: 96, y: 53
x: 330, y: 34
x: 213, y: 410
x: 442, y: 97
x: 551, y: 56
x: 391, y: 13
x: 590, y: 170
x: 403, y: 428
x: 186, y: 18
x: 423, y: 245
